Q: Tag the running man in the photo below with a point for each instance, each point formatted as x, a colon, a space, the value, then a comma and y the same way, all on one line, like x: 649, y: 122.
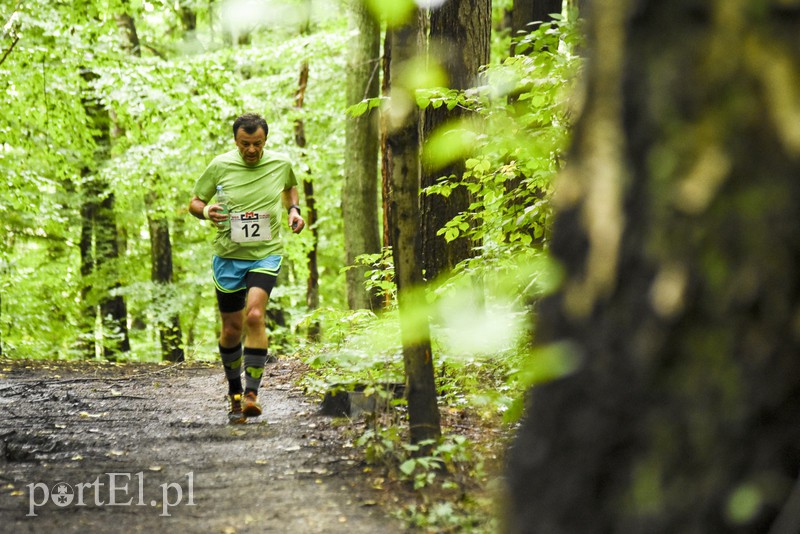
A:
x: 247, y: 250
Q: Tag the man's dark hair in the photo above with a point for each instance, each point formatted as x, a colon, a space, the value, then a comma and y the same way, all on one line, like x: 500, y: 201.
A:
x: 251, y: 122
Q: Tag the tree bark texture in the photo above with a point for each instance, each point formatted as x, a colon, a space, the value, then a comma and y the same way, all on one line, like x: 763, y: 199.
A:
x: 86, y: 342
x: 169, y: 330
x: 387, y: 167
x: 679, y: 231
x: 460, y: 39
x: 527, y: 14
x: 386, y: 156
x: 403, y: 145
x: 312, y: 286
x: 188, y: 18
x: 99, y: 245
x: 360, y: 189
x: 113, y: 310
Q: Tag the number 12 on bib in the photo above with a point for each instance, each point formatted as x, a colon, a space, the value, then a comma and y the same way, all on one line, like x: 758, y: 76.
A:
x: 250, y: 226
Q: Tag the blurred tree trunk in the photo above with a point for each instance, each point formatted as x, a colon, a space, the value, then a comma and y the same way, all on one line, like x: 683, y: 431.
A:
x: 460, y: 40
x: 679, y: 233
x: 169, y: 327
x: 99, y: 246
x: 403, y: 147
x: 360, y: 189
x: 188, y: 18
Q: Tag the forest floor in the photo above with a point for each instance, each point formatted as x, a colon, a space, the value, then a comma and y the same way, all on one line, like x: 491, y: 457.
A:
x: 89, y: 447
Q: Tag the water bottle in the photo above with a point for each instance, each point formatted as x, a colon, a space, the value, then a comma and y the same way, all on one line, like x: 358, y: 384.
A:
x: 222, y: 200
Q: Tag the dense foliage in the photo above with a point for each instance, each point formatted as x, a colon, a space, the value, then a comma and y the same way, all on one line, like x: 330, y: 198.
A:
x: 171, y: 110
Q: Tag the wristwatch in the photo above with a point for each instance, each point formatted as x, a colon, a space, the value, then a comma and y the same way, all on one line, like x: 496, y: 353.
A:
x: 294, y: 206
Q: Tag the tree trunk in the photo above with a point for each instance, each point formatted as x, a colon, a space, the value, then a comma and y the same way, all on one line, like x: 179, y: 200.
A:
x: 387, y: 167
x: 113, y: 311
x: 86, y: 340
x: 360, y: 189
x: 527, y: 17
x: 99, y: 246
x: 188, y: 18
x: 528, y: 14
x: 169, y: 330
x: 403, y: 146
x: 312, y: 286
x: 460, y: 39
x: 679, y: 234
x: 130, y: 39
x: 386, y: 160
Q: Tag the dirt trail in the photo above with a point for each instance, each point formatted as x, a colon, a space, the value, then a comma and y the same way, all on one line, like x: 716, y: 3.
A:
x: 159, y: 448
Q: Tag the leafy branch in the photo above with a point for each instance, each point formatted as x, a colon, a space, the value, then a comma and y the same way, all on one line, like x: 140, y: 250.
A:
x: 10, y: 29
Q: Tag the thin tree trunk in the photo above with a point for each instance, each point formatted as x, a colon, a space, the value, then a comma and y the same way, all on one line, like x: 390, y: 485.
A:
x: 360, y: 189
x: 188, y: 18
x: 387, y: 167
x: 86, y: 340
x: 312, y: 285
x: 403, y: 145
x: 113, y: 310
x: 169, y: 331
x: 386, y: 159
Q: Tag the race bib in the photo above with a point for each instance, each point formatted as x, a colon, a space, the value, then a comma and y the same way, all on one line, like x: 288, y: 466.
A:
x: 250, y: 226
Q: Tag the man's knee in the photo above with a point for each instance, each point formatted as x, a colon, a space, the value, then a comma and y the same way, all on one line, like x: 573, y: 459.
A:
x: 255, y: 318
x: 231, y: 328
x: 232, y: 331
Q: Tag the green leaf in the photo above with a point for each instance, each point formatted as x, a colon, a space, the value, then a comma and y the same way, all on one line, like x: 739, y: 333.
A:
x: 408, y: 466
x: 359, y: 109
x: 423, y: 99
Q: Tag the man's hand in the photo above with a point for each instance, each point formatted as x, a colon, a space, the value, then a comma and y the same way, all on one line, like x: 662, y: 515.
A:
x: 296, y: 222
x: 214, y: 214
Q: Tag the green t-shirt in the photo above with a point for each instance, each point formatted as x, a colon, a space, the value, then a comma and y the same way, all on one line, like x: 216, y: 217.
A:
x: 254, y: 188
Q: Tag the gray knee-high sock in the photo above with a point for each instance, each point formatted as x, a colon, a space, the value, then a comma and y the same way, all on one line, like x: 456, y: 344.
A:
x: 232, y: 363
x: 254, y: 361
